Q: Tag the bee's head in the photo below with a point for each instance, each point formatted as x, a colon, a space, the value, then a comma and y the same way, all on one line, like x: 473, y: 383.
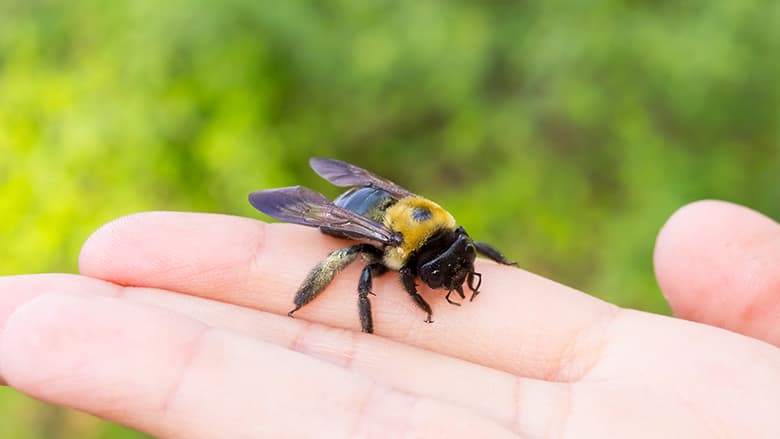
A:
x: 452, y: 267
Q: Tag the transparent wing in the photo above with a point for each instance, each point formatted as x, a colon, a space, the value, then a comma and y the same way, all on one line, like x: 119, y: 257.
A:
x: 345, y: 174
x: 303, y: 206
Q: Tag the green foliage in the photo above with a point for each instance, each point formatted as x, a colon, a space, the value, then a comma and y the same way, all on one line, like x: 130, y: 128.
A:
x: 565, y: 131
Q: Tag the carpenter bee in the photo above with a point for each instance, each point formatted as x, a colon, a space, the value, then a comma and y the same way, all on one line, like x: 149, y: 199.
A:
x: 408, y: 233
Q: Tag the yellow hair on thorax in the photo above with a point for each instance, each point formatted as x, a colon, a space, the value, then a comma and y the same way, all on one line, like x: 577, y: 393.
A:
x: 408, y: 217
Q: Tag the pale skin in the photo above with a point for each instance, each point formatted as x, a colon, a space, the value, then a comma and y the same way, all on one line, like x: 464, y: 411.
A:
x: 177, y: 326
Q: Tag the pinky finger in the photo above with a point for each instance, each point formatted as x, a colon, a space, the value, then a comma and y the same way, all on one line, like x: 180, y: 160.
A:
x: 173, y: 376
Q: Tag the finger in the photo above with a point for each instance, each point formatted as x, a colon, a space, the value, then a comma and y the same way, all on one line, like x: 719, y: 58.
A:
x: 493, y: 394
x: 521, y: 323
x: 717, y: 263
x: 173, y: 376
x: 587, y: 409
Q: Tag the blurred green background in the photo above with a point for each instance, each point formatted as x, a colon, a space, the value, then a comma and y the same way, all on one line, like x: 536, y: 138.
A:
x: 565, y: 132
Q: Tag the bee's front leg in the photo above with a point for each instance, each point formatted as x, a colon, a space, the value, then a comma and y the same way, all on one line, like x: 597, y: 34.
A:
x: 458, y: 290
x: 408, y: 277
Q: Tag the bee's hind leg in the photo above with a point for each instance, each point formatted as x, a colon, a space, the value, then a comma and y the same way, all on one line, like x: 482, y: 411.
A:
x: 322, y: 275
x: 364, y: 289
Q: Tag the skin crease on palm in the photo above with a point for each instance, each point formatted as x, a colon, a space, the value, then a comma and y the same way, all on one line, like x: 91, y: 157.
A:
x: 177, y: 327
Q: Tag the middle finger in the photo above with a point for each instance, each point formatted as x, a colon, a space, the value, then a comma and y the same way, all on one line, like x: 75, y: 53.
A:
x: 521, y: 323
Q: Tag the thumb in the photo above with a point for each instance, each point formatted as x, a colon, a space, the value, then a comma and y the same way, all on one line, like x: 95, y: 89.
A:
x: 719, y: 263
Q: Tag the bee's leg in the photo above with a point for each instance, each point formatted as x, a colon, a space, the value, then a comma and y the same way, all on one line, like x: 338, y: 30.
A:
x: 364, y: 289
x: 487, y: 250
x: 450, y: 300
x: 474, y: 277
x: 325, y: 271
x: 407, y: 277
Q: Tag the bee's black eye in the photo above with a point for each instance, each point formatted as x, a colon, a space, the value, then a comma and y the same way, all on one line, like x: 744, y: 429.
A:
x: 421, y: 214
x: 435, y: 276
x: 432, y: 275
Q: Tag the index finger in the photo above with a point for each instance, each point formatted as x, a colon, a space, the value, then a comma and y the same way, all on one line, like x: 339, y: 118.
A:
x: 521, y: 323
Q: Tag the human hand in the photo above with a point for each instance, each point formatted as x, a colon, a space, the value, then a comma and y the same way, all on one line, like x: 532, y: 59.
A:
x: 179, y: 329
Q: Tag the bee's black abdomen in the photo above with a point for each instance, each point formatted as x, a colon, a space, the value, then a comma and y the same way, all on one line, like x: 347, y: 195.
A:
x: 366, y: 201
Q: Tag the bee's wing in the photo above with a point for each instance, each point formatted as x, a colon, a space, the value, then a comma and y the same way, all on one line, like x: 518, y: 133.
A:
x: 345, y: 174
x: 303, y: 206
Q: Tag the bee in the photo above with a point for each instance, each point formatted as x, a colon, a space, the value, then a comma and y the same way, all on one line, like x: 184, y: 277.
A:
x: 404, y: 232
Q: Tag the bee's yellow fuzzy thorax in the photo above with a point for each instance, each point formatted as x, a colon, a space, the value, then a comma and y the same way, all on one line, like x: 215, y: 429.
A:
x: 415, y: 218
